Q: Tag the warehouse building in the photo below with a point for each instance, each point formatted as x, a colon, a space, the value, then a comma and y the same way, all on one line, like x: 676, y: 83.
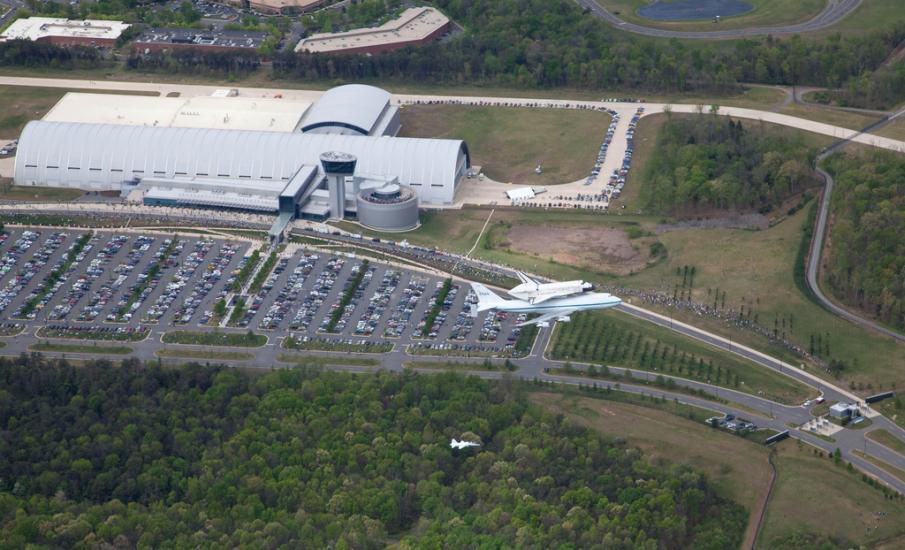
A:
x: 339, y: 160
x: 66, y: 32
x: 413, y: 27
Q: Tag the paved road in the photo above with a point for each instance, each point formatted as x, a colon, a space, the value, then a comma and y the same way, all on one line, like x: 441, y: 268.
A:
x: 835, y: 11
x: 817, y: 242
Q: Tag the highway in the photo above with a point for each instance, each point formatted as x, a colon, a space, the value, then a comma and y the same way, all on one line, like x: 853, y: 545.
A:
x: 835, y: 11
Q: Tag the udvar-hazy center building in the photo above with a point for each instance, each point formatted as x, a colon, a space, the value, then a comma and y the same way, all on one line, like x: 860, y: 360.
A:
x: 176, y: 158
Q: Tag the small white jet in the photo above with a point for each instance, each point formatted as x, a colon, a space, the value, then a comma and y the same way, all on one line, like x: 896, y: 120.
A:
x: 553, y: 301
x: 456, y: 444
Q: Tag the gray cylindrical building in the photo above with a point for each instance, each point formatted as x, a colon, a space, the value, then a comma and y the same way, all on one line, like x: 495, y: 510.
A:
x: 392, y: 207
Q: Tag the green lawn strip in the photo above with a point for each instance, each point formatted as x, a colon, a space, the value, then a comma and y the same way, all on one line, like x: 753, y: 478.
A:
x: 615, y: 339
x: 436, y: 307
x: 11, y: 192
x: 337, y: 313
x: 238, y: 311
x: 262, y: 274
x: 152, y: 272
x: 111, y: 336
x: 324, y: 345
x: 486, y: 365
x: 525, y: 340
x: 889, y: 468
x: 80, y: 348
x: 883, y: 437
x: 661, y: 382
x: 11, y: 329
x: 323, y: 360
x: 246, y: 271
x: 216, y: 338
x: 435, y: 352
x: 57, y: 273
x: 206, y: 354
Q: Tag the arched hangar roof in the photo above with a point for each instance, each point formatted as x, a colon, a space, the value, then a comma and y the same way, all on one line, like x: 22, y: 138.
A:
x: 357, y: 107
x: 110, y: 154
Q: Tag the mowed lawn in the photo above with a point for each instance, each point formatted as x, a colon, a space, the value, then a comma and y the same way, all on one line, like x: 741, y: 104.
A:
x: 813, y: 496
x: 509, y: 142
x: 765, y: 13
x: 755, y: 270
x: 737, y: 466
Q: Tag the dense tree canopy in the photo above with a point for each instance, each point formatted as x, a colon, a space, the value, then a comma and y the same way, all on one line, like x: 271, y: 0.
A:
x: 545, y: 43
x: 705, y: 162
x: 866, y: 267
x: 211, y: 457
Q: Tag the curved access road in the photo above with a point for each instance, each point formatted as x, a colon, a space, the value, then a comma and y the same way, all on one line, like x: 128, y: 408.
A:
x: 835, y: 11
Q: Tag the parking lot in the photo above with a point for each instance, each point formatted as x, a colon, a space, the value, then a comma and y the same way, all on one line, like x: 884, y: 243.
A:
x: 115, y: 285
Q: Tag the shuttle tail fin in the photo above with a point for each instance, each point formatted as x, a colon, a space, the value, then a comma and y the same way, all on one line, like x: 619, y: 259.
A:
x: 486, y: 298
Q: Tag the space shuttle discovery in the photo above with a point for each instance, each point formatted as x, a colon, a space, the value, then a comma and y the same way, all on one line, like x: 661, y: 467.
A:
x: 553, y: 301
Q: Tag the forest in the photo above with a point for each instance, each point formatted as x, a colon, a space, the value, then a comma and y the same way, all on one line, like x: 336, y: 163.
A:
x: 544, y: 43
x: 210, y: 457
x: 707, y: 162
x: 867, y: 255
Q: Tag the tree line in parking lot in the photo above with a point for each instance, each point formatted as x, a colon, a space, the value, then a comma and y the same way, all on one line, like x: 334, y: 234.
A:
x: 543, y: 43
x: 703, y: 162
x: 208, y: 456
x: 867, y: 267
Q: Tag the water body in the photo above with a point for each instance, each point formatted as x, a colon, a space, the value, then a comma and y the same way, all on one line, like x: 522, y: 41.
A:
x: 693, y: 10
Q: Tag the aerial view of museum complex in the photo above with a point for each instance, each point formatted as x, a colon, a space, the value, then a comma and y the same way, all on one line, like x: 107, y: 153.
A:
x: 489, y: 274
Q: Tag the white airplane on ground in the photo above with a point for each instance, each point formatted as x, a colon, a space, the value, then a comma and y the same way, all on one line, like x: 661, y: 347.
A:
x: 456, y: 444
x: 553, y: 301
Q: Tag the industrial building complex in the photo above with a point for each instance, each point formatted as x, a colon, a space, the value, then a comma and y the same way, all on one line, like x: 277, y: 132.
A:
x: 339, y: 158
x: 413, y: 27
x: 65, y: 32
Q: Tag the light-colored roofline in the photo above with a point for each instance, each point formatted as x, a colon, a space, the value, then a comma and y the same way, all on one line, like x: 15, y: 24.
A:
x: 412, y: 25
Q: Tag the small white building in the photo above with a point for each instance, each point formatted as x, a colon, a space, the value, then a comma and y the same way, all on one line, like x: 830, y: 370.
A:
x: 844, y: 411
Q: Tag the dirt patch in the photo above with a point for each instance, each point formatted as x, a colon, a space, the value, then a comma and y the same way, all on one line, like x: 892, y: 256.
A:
x: 598, y: 248
x: 743, y: 221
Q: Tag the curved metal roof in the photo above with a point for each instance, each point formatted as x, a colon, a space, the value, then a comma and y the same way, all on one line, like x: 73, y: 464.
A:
x: 109, y: 154
x: 354, y: 106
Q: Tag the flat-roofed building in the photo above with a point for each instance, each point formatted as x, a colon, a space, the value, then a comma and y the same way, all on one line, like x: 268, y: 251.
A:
x: 66, y: 32
x: 281, y: 6
x: 157, y: 40
x: 236, y: 113
x: 413, y: 27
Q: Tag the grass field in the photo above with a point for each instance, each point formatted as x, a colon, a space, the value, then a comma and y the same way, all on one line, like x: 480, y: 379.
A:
x: 845, y: 119
x: 893, y: 130
x: 460, y: 366
x: 510, y: 142
x: 815, y: 500
x: 80, y: 348
x: 885, y: 438
x: 755, y: 269
x: 206, y: 354
x: 737, y: 466
x: 870, y: 16
x: 216, y: 338
x: 765, y: 13
x: 660, y: 350
x: 11, y: 192
x: 322, y: 360
x: 896, y: 472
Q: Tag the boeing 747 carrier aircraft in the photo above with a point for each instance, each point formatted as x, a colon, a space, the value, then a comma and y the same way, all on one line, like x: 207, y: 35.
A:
x: 553, y: 301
